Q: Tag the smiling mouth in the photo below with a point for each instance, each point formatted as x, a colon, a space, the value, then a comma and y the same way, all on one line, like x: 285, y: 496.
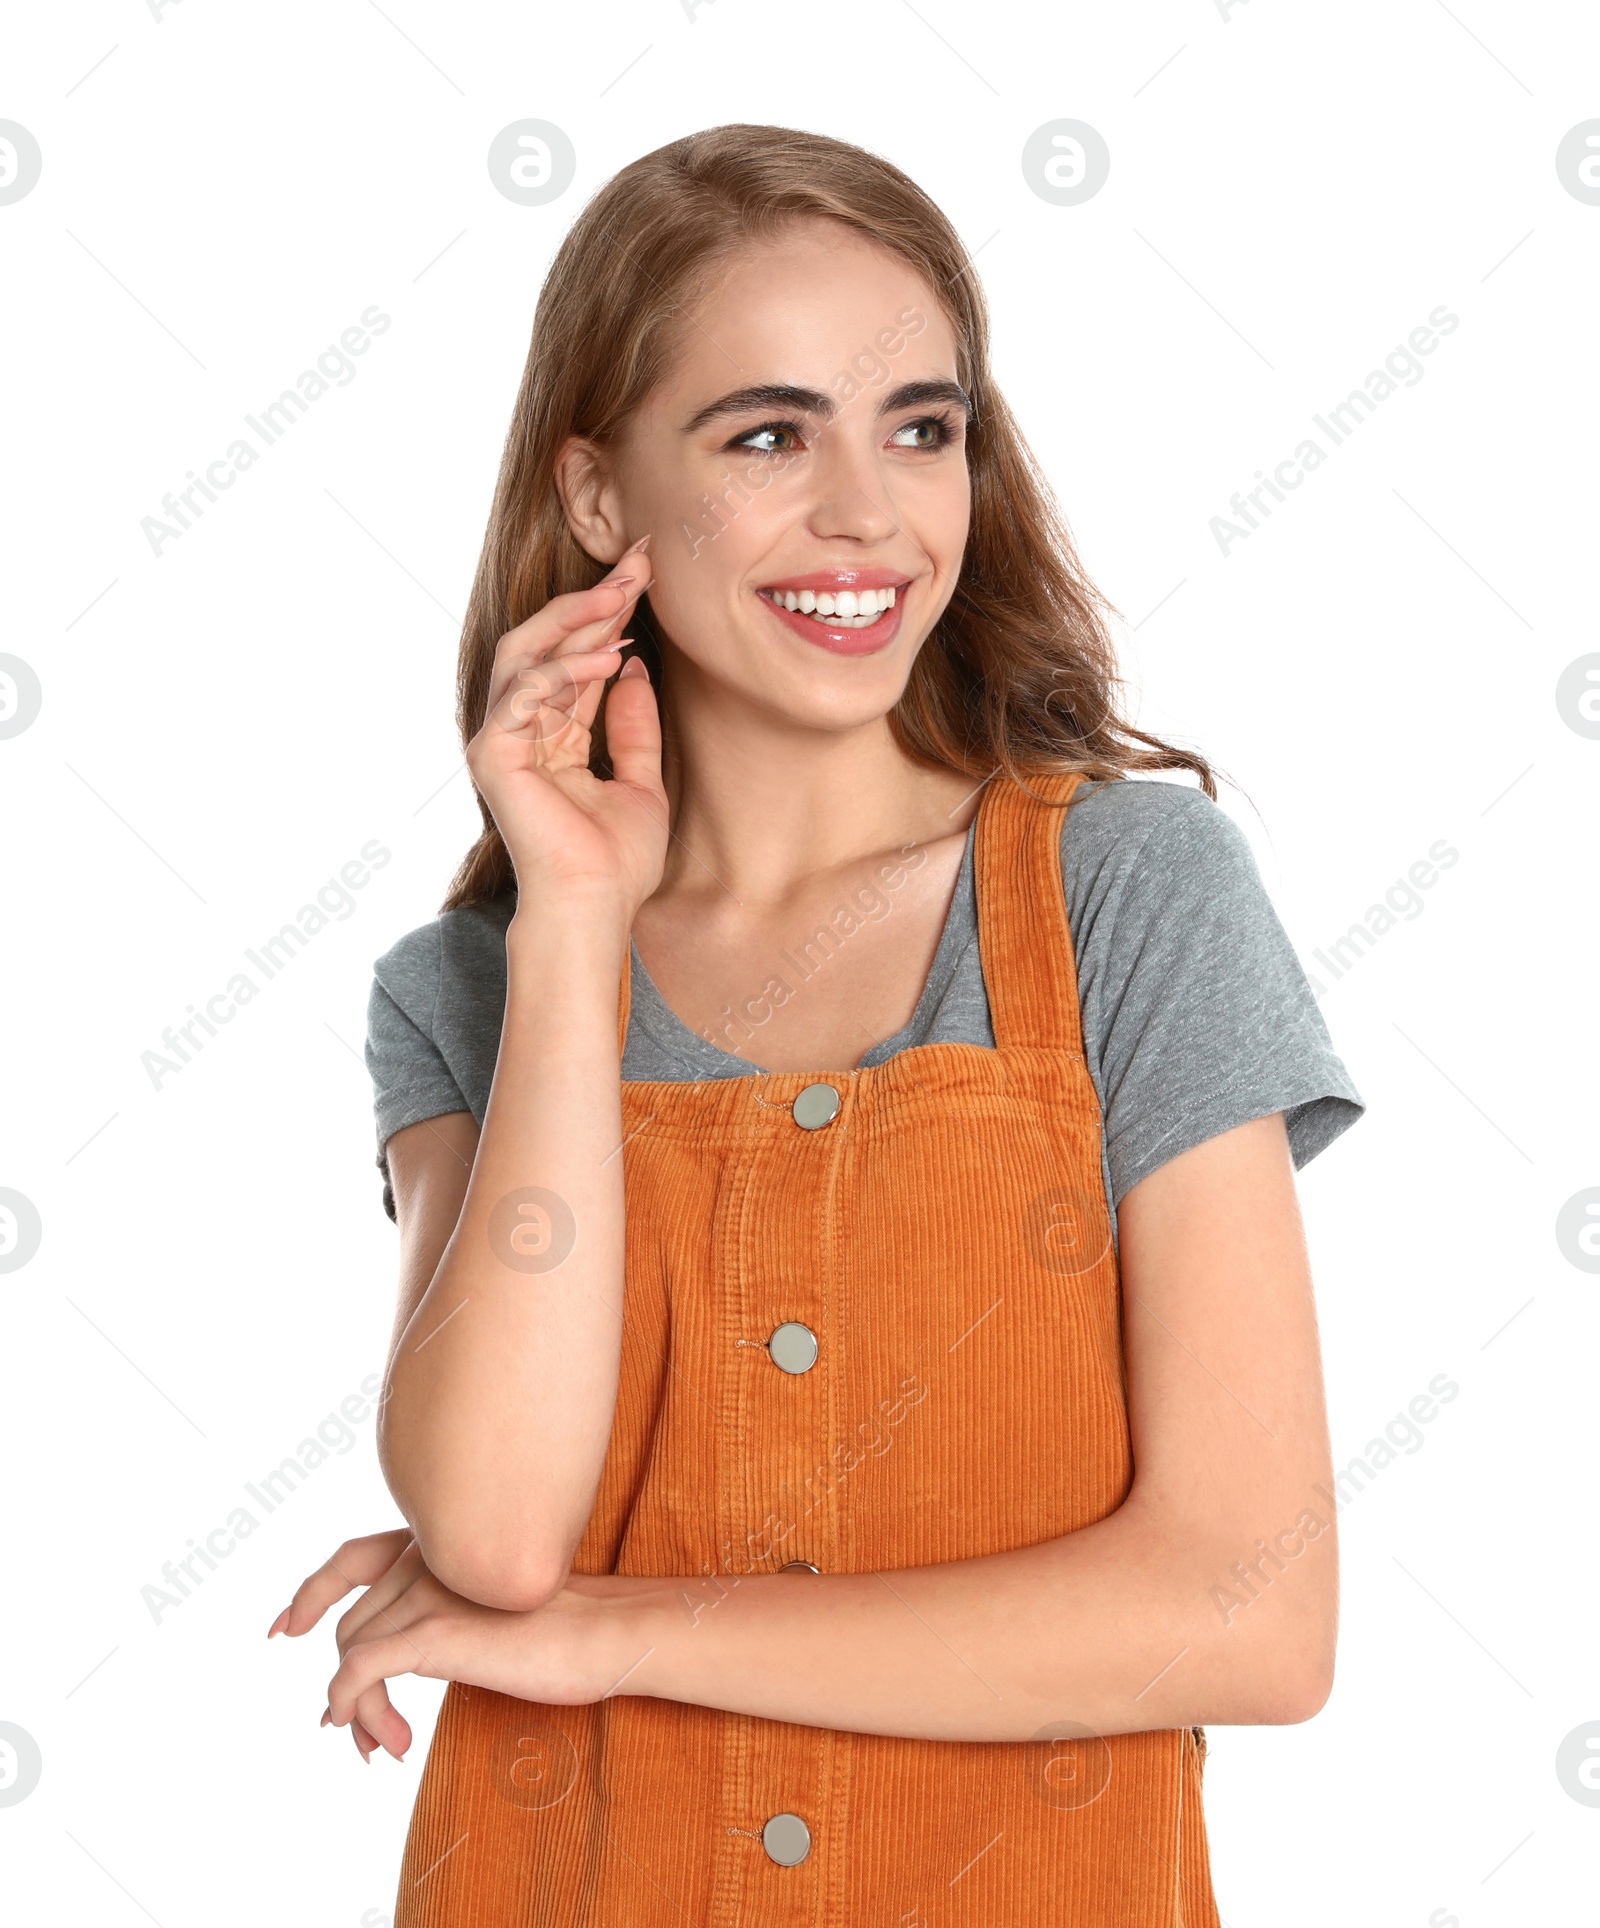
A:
x: 838, y: 608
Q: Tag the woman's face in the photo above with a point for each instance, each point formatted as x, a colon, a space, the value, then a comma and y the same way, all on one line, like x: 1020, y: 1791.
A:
x: 802, y: 472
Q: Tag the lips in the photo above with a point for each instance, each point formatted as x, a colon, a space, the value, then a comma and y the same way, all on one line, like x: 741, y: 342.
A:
x: 836, y: 579
x: 848, y: 611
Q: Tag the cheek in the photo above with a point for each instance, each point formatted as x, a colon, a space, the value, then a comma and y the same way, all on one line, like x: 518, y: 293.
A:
x: 697, y: 580
x: 738, y: 513
x: 943, y: 515
x: 961, y: 504
x: 764, y: 486
x: 712, y: 497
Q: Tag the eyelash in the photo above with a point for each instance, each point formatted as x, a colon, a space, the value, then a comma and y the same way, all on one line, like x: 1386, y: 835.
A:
x: 945, y: 425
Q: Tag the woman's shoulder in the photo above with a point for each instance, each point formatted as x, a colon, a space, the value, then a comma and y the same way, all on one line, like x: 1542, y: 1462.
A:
x: 1120, y: 808
x: 1169, y: 912
x: 455, y: 961
x: 1169, y: 836
x: 1197, y: 1012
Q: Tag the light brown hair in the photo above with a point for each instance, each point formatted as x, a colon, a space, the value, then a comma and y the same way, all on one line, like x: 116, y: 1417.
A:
x: 1019, y: 674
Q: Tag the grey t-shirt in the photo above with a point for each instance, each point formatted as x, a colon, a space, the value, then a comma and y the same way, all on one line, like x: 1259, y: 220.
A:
x: 1196, y: 1013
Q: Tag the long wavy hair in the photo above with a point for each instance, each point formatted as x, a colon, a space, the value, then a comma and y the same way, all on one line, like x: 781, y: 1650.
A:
x: 1019, y: 675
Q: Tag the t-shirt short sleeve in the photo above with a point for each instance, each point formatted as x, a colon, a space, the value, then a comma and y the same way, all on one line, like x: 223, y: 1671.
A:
x: 433, y: 1022
x: 1197, y: 1014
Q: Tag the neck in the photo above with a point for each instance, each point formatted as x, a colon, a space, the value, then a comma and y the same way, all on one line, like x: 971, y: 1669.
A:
x: 761, y: 804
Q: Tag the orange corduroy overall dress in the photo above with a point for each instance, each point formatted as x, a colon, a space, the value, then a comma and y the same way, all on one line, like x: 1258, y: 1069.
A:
x: 945, y: 1241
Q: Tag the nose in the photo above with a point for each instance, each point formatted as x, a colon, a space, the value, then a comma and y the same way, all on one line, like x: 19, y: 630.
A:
x: 851, y: 496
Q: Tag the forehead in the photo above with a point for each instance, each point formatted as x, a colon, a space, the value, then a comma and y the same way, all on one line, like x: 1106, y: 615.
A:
x: 802, y: 308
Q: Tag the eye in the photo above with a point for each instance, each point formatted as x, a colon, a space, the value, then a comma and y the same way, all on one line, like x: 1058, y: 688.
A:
x: 766, y: 440
x: 929, y: 432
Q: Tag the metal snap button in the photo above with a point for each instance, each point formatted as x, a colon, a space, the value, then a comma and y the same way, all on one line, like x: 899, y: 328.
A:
x: 817, y: 1105
x: 793, y: 1347
x: 786, y: 1839
x: 798, y: 1566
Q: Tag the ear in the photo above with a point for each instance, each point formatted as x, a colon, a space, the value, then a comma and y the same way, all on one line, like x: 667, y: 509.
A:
x: 591, y: 498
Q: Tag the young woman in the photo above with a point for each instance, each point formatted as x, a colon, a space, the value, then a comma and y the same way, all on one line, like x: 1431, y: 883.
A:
x: 854, y: 1397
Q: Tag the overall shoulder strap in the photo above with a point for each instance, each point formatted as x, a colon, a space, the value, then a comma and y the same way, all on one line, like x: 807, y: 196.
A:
x: 1030, y: 968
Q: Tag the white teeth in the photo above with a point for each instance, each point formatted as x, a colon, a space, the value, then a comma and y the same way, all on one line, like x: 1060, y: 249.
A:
x: 848, y: 609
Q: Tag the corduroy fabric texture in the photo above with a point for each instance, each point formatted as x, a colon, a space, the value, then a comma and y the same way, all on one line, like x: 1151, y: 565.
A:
x: 946, y: 1238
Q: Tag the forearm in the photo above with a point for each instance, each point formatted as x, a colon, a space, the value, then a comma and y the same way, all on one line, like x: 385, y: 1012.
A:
x: 1115, y: 1627
x: 503, y: 1385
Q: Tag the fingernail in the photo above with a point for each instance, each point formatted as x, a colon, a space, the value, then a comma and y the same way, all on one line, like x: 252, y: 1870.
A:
x: 619, y: 582
x: 327, y: 1715
x: 640, y: 546
x: 633, y: 667
x: 277, y: 1625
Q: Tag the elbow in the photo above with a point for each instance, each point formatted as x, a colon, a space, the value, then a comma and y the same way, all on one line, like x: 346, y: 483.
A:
x: 511, y: 1580
x: 1286, y: 1677
x: 489, y: 1559
x: 1272, y: 1658
x: 1297, y: 1690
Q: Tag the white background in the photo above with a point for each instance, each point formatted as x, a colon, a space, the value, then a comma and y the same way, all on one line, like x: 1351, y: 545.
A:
x: 224, y: 725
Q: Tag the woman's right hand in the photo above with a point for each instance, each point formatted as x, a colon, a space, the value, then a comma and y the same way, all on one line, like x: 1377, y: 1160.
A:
x: 566, y: 829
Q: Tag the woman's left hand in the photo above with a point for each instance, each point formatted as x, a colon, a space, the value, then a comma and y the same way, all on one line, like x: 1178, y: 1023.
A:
x: 569, y: 1652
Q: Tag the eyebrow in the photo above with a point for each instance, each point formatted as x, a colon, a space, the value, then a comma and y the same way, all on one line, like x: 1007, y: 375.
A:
x: 812, y: 401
